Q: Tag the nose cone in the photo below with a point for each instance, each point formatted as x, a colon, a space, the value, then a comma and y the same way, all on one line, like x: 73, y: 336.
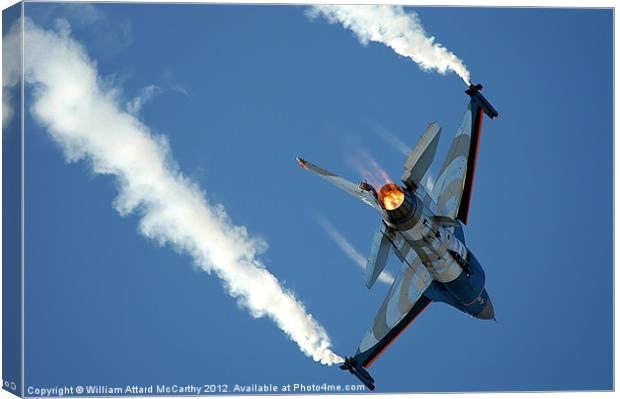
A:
x: 487, y: 313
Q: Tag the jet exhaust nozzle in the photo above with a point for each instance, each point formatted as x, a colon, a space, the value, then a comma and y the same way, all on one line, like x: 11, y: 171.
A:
x: 391, y: 196
x: 400, y: 208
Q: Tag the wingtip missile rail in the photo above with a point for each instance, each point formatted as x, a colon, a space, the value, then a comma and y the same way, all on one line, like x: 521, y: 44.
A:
x: 474, y: 92
x: 360, y: 372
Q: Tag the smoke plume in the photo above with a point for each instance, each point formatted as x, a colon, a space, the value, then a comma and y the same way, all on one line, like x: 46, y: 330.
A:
x: 146, y: 94
x: 89, y: 123
x: 391, y: 139
x: 400, y: 30
x: 11, y: 67
x: 349, y: 250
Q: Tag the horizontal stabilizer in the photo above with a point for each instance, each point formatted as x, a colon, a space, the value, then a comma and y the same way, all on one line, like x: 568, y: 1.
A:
x: 379, y: 252
x: 343, y: 184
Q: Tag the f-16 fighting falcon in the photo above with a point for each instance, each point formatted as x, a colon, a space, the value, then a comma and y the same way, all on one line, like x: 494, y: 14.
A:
x: 425, y: 231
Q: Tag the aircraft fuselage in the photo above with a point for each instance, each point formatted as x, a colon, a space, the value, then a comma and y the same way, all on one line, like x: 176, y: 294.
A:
x: 440, y: 246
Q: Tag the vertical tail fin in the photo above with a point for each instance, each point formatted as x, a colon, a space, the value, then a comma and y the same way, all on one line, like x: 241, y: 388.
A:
x: 422, y: 155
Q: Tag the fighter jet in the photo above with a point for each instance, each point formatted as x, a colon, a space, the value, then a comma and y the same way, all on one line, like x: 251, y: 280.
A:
x: 425, y: 231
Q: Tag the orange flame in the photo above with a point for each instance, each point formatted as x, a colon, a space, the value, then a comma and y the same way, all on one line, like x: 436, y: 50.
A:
x: 391, y: 196
x: 369, y: 169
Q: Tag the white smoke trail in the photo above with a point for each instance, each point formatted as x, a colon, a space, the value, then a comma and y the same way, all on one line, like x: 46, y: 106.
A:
x: 391, y: 139
x: 146, y: 94
x: 395, y: 28
x: 11, y: 59
x: 89, y: 124
x: 349, y: 250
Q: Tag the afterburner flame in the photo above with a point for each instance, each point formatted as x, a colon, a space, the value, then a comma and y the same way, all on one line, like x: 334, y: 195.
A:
x: 391, y: 196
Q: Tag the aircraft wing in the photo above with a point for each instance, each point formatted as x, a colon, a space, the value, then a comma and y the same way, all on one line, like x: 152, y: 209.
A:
x: 341, y: 183
x: 404, y: 301
x: 452, y: 189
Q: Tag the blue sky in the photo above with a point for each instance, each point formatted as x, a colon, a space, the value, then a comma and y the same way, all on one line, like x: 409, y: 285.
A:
x: 241, y: 91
